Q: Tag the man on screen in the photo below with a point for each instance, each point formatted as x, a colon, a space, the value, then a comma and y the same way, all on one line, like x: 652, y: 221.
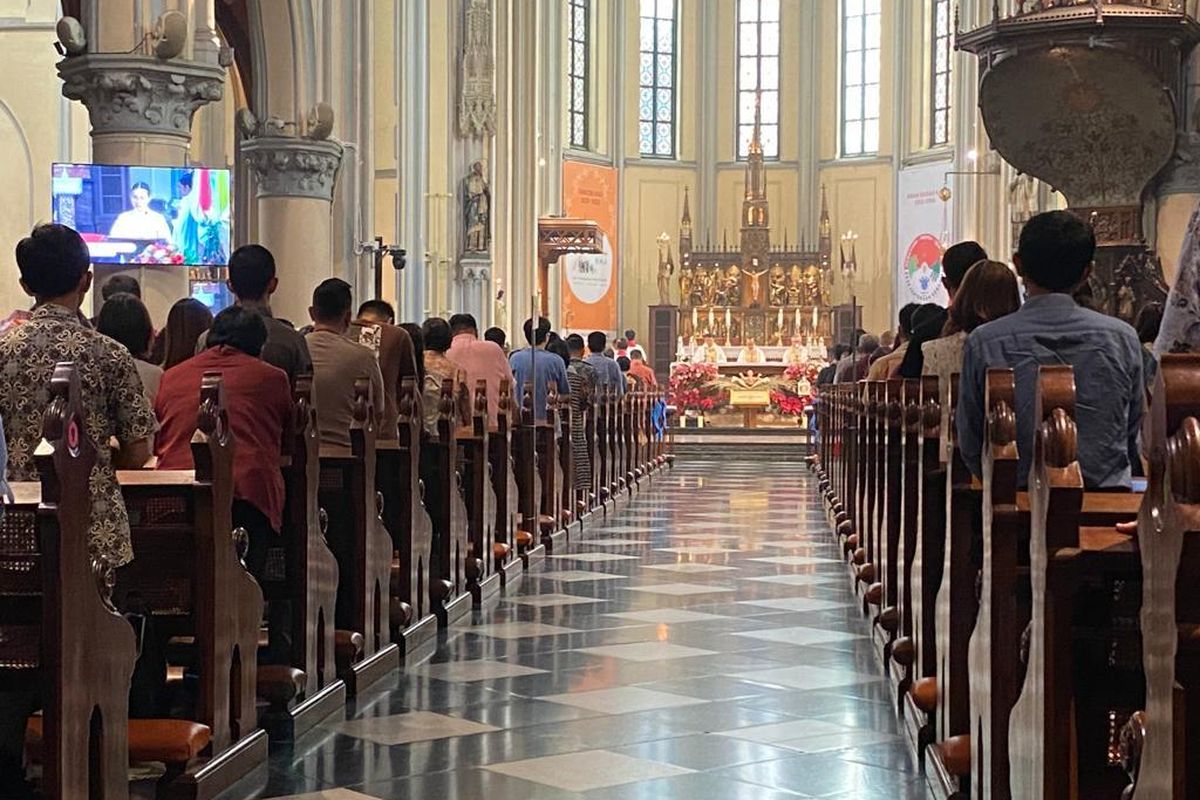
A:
x: 141, y: 223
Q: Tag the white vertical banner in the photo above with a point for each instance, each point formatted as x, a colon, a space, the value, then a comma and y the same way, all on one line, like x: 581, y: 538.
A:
x: 923, y: 222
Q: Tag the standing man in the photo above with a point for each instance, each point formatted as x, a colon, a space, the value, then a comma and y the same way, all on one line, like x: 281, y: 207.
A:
x: 533, y: 363
x: 639, y: 369
x: 608, y: 374
x: 252, y: 281
x: 338, y: 363
x: 393, y: 348
x: 56, y: 271
x: 479, y: 360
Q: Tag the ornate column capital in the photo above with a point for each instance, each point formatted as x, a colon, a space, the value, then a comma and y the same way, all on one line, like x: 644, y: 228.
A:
x: 474, y: 267
x: 140, y: 94
x: 293, y: 167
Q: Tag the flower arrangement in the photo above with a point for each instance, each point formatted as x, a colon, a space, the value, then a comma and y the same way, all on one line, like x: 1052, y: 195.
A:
x: 159, y: 253
x: 788, y: 403
x: 693, y: 387
x: 798, y: 372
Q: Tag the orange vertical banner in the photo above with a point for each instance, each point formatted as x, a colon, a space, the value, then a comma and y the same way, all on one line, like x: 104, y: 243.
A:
x: 588, y: 283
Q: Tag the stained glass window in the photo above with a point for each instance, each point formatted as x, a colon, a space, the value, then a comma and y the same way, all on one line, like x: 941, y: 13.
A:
x: 578, y: 69
x: 861, y: 41
x: 758, y: 74
x: 940, y: 59
x: 656, y: 79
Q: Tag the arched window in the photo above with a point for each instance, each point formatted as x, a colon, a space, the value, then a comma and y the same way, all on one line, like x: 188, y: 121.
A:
x: 578, y: 70
x: 939, y: 72
x: 861, y: 41
x: 656, y: 79
x: 758, y: 74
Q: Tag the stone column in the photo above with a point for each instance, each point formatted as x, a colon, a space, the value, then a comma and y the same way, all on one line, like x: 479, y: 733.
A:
x: 295, y: 180
x: 412, y: 145
x: 141, y: 111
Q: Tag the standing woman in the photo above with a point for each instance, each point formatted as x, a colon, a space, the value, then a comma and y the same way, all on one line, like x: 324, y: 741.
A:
x: 187, y: 319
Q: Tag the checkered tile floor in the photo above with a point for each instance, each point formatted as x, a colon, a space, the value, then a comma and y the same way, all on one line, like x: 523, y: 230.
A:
x: 703, y: 643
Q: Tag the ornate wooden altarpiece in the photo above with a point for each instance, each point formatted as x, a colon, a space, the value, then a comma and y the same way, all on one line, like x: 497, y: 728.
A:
x: 756, y: 289
x: 1089, y: 97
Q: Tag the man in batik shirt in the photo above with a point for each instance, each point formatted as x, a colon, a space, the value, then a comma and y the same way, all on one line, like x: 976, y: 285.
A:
x: 55, y: 271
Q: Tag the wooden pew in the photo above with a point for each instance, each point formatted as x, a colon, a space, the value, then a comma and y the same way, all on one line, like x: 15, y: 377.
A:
x: 1078, y: 689
x: 550, y: 472
x: 864, y: 489
x: 902, y: 652
x: 994, y: 648
x: 188, y: 571
x: 312, y: 579
x: 529, y: 481
x: 890, y: 503
x: 504, y: 489
x: 56, y: 602
x: 1162, y: 745
x: 483, y: 581
x: 443, y: 498
x: 948, y: 762
x: 398, y: 479
x: 925, y: 571
x: 357, y: 536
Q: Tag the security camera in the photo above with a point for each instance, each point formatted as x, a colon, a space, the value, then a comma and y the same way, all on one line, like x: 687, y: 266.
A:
x: 398, y: 255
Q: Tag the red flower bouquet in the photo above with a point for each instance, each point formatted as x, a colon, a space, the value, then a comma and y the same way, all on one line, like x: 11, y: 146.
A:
x: 159, y: 253
x: 693, y: 387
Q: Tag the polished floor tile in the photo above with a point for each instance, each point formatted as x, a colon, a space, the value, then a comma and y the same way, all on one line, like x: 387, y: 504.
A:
x: 415, y: 726
x: 702, y: 641
x: 594, y: 769
x: 594, y: 558
x: 519, y: 630
x: 576, y: 576
x: 555, y: 599
x: 667, y: 616
x: 469, y: 671
x: 622, y: 700
x: 646, y: 651
x: 689, y: 567
x: 678, y: 589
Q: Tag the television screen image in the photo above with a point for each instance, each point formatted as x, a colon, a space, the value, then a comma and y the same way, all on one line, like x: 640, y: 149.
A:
x: 146, y: 215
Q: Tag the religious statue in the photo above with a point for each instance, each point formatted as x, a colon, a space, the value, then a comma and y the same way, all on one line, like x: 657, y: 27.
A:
x: 755, y: 287
x: 812, y: 287
x: 733, y: 286
x: 708, y: 287
x: 686, y: 278
x: 795, y: 287
x: 666, y: 268
x: 778, y: 287
x: 720, y: 289
x: 751, y: 354
x: 1125, y: 301
x: 477, y: 210
x: 477, y: 99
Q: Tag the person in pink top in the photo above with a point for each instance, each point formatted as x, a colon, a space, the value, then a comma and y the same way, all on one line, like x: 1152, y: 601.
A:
x: 478, y: 359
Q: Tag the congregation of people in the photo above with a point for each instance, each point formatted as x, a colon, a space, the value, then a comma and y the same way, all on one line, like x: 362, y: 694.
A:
x: 141, y: 388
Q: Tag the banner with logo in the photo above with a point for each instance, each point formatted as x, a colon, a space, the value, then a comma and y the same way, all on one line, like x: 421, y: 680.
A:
x: 589, y: 282
x: 923, y: 222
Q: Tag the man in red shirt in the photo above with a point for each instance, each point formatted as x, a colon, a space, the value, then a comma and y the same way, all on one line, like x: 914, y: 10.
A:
x: 258, y: 400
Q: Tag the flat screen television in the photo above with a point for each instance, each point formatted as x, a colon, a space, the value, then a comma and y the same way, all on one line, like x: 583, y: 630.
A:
x: 146, y: 215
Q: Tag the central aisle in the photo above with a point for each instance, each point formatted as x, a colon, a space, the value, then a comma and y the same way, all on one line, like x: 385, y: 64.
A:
x: 704, y: 643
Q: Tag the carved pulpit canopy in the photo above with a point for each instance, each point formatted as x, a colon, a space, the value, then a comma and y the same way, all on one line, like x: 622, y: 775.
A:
x: 560, y: 236
x: 1080, y: 95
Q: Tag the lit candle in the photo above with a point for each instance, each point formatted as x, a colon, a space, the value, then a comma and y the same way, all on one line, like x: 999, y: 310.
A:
x: 814, y: 327
x: 779, y: 320
x: 727, y: 319
x: 695, y: 318
x: 710, y: 319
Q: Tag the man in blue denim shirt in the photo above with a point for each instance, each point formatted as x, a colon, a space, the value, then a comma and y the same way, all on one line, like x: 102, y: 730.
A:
x: 1054, y: 257
x: 609, y: 375
x: 550, y: 369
